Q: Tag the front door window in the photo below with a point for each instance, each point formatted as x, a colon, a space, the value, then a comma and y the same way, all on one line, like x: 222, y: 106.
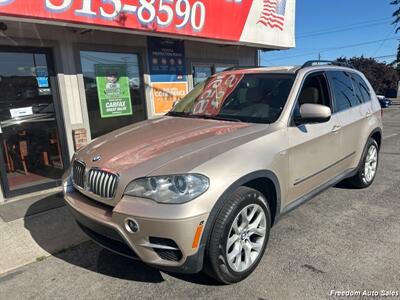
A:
x: 30, y: 141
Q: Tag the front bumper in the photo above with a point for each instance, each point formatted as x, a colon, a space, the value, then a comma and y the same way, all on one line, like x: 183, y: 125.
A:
x: 165, y: 243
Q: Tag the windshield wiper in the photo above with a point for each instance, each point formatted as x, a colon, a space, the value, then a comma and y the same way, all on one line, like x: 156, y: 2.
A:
x: 178, y: 114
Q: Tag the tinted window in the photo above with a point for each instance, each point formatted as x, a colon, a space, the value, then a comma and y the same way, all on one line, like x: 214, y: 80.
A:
x: 363, y: 93
x: 343, y: 90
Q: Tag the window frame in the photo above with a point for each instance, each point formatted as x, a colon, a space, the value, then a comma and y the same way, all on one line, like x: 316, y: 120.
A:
x: 143, y: 70
x: 291, y: 122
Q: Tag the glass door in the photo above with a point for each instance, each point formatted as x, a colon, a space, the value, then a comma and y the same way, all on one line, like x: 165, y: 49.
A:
x: 31, y: 155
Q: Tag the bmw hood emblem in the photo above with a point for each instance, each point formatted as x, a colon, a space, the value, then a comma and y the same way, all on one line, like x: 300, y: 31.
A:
x: 96, y: 158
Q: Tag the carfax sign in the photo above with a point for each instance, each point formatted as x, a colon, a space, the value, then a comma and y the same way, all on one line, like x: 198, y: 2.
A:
x: 113, y: 91
x: 262, y: 23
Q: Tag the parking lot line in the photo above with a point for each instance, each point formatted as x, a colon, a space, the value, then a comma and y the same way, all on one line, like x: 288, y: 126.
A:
x: 390, y: 136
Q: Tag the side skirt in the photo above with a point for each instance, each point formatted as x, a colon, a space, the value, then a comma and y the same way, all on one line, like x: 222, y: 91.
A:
x: 316, y: 192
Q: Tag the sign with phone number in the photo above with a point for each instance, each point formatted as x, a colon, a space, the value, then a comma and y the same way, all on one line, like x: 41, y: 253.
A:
x: 160, y: 12
x: 211, y: 19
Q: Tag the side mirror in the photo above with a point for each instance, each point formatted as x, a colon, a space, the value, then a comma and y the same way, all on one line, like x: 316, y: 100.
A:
x: 313, y: 113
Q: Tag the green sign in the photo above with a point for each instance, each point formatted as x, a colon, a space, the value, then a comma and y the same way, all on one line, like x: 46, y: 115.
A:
x: 113, y: 90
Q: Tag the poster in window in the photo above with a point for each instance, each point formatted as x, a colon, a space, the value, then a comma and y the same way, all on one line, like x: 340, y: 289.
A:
x: 113, y: 90
x: 167, y: 73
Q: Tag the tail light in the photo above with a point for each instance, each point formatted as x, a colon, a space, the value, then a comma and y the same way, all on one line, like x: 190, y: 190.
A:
x: 382, y: 112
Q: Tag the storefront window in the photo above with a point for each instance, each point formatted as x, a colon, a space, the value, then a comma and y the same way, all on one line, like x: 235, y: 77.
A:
x: 113, y: 90
x: 30, y: 141
x: 202, y: 71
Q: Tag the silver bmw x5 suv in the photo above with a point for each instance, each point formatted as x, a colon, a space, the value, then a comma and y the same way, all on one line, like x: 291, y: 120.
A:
x: 200, y: 188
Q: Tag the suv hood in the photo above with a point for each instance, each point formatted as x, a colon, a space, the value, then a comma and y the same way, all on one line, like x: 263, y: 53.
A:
x: 149, y: 145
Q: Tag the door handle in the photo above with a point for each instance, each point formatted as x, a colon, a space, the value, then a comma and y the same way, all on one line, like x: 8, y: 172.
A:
x: 336, y: 128
x: 368, y: 114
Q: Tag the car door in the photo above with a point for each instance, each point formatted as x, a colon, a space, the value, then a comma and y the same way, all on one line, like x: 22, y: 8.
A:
x: 352, y: 112
x: 314, y: 149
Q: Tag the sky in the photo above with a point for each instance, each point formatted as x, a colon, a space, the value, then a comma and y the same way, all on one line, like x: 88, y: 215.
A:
x: 335, y: 28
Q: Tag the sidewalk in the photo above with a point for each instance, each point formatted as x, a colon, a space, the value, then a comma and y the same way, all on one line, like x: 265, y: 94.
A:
x: 36, y: 237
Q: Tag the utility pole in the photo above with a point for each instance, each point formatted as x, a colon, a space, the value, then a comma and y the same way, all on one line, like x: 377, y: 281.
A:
x: 319, y: 56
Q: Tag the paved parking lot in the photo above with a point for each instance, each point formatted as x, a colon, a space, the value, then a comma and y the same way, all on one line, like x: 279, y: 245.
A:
x: 342, y: 240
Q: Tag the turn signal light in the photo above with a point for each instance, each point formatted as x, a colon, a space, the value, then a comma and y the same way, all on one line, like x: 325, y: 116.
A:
x: 197, y: 235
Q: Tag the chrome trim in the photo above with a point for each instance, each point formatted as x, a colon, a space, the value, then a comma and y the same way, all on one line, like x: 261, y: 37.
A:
x: 156, y: 246
x: 98, y: 181
x: 82, y: 175
x: 98, y: 184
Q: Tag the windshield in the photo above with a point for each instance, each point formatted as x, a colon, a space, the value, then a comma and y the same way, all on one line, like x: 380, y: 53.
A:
x: 253, y: 98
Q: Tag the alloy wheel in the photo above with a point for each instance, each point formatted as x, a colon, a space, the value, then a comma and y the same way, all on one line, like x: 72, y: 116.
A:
x: 371, y: 162
x: 246, y: 238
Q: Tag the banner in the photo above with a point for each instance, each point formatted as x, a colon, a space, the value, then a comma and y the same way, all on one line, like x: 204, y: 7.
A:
x: 260, y: 23
x: 167, y: 72
x: 215, y: 93
x: 113, y: 90
x: 165, y: 94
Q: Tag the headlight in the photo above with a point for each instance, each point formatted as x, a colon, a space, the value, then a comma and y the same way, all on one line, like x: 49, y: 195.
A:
x: 173, y: 189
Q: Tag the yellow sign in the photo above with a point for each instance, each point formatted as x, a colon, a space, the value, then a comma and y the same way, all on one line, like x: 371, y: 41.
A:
x: 165, y: 94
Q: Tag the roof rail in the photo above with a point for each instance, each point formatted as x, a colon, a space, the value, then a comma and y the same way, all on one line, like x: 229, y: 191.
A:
x: 238, y: 68
x: 311, y: 63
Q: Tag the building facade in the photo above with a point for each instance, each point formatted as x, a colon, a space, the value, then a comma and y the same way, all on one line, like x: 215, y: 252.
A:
x: 71, y: 71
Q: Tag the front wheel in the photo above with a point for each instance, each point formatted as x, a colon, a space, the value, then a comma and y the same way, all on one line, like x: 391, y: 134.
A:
x: 369, y: 165
x: 239, y: 236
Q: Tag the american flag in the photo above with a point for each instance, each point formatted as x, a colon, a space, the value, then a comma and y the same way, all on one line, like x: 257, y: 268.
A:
x: 273, y: 14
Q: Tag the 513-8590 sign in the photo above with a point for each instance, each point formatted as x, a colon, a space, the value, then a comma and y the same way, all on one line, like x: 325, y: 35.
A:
x: 233, y: 21
x: 161, y: 12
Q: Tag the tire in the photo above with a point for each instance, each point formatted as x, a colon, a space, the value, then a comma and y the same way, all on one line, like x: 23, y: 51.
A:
x: 363, y: 178
x: 217, y: 263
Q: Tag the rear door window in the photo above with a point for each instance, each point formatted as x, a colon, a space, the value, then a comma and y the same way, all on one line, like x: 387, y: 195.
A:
x: 343, y: 90
x: 362, y: 90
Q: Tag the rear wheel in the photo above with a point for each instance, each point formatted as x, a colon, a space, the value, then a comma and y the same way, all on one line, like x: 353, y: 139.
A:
x: 239, y: 236
x: 369, y: 165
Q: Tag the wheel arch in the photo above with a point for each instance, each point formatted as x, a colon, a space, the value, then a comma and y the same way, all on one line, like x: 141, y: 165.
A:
x: 254, y: 180
x: 376, y: 134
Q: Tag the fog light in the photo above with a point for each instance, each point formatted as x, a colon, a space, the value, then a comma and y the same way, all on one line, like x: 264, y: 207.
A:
x: 131, y: 226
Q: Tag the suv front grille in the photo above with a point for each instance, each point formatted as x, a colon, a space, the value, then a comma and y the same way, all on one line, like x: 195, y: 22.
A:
x: 102, y: 183
x: 78, y: 173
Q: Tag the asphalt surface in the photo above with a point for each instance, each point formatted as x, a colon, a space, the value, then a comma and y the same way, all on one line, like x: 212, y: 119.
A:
x: 344, y: 240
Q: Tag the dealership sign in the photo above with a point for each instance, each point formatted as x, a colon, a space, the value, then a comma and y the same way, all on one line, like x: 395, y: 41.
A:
x: 264, y: 23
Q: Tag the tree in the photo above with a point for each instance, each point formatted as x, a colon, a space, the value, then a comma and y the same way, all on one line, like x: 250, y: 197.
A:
x: 396, y: 14
x: 396, y: 21
x: 383, y: 77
